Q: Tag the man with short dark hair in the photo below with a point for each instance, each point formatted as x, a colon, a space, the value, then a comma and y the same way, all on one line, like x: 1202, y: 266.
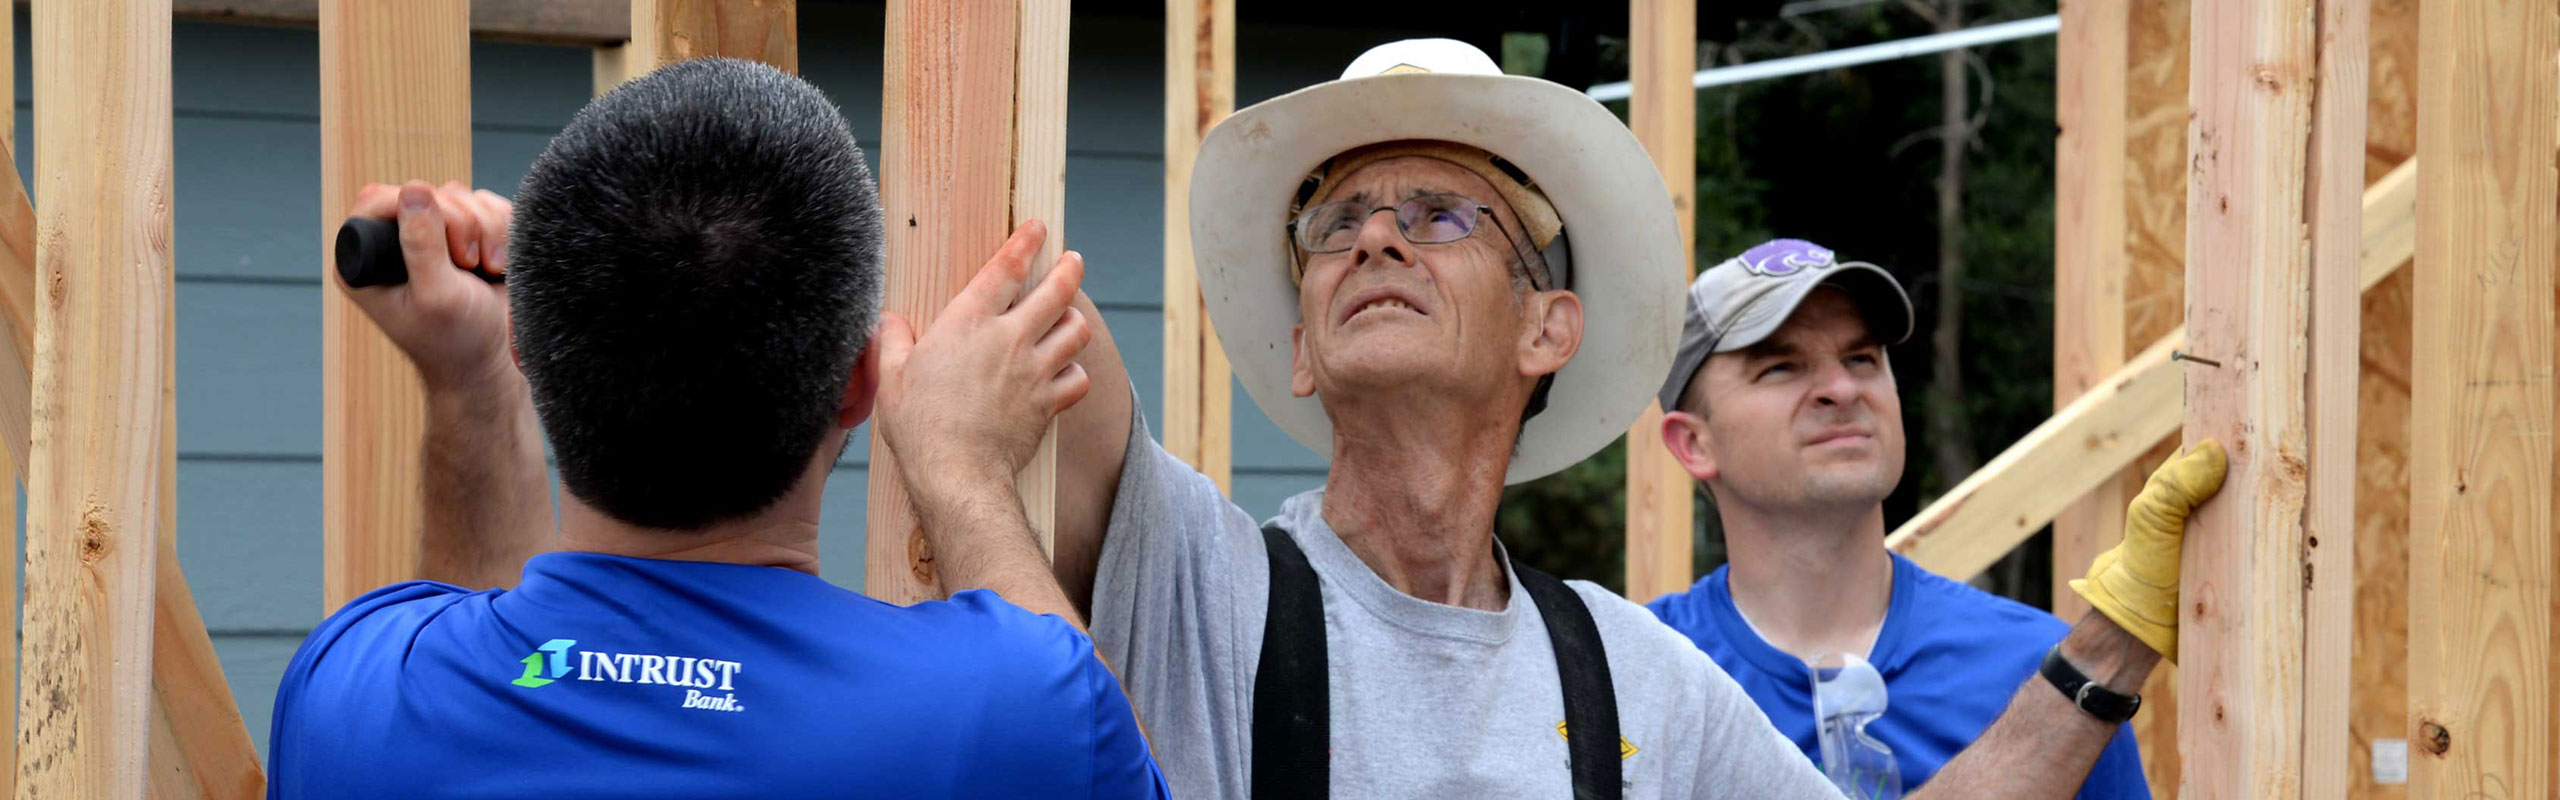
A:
x: 694, y: 281
x: 1782, y: 404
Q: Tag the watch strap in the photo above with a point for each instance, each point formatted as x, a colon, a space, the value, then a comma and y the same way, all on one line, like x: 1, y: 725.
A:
x: 2089, y: 696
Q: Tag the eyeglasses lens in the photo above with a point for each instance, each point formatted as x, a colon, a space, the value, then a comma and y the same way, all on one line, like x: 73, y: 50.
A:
x: 1436, y: 218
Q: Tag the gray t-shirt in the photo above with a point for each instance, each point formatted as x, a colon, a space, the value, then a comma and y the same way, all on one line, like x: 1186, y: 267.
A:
x: 1429, y: 700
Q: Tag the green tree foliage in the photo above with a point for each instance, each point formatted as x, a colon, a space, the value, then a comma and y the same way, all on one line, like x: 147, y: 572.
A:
x: 1844, y: 158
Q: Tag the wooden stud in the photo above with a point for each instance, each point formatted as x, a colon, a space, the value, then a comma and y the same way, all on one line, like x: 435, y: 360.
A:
x: 667, y: 31
x: 1199, y: 90
x: 200, y: 748
x: 1663, y: 111
x: 103, y: 333
x: 2380, y: 708
x: 2481, y: 566
x: 1040, y: 192
x: 17, y: 379
x: 2335, y: 195
x: 954, y: 186
x: 395, y: 105
x: 2273, y: 207
x: 2089, y: 248
x: 611, y: 67
x: 18, y: 303
x: 2120, y: 217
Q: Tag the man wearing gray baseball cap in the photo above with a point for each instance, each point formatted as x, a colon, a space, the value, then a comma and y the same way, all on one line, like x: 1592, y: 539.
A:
x: 1781, y: 401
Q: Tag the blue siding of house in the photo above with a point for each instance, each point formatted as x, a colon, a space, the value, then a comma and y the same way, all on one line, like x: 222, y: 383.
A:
x: 248, y: 299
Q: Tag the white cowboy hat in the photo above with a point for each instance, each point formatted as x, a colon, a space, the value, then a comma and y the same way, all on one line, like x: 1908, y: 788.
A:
x: 1625, y: 258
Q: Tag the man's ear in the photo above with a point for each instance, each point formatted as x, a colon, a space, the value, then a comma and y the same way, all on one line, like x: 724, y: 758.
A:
x: 1302, y: 371
x: 1553, y: 332
x: 861, y: 387
x: 1686, y: 436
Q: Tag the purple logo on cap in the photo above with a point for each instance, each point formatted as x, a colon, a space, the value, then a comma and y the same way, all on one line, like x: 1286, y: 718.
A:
x: 1779, y: 258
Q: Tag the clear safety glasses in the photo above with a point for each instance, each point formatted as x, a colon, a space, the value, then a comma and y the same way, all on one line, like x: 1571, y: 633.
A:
x: 1848, y: 694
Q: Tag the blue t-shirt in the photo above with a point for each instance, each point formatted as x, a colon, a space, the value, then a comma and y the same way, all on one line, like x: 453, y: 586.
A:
x: 604, y: 676
x: 1952, y: 657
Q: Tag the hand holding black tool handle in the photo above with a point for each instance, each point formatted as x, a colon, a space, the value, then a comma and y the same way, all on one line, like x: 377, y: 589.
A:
x: 369, y: 254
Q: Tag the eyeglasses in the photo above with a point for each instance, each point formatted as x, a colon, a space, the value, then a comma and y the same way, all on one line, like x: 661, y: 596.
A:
x: 1422, y: 219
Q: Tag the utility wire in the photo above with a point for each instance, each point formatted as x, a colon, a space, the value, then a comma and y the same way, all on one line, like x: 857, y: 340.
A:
x: 1849, y: 57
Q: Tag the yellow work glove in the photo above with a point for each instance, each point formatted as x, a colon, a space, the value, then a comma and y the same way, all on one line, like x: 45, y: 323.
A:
x: 2136, y: 584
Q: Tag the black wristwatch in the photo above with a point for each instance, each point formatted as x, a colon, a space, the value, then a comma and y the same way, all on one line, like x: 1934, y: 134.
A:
x: 2107, y: 705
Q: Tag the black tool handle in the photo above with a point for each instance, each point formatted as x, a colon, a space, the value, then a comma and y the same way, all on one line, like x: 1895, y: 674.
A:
x: 369, y: 254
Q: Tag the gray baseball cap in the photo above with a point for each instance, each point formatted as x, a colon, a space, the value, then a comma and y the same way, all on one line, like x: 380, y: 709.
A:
x: 1736, y: 304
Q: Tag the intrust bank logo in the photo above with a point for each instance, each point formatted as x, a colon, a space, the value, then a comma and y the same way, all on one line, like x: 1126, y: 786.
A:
x: 559, y: 659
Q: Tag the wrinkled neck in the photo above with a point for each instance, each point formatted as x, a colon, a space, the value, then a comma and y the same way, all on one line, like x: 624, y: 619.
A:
x: 1415, y: 496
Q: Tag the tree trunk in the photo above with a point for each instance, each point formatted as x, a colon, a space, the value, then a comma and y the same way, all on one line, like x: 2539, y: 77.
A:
x: 1950, y: 433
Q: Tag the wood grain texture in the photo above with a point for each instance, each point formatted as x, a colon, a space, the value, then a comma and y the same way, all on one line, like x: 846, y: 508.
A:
x: 18, y: 305
x: 2091, y: 109
x: 2020, y: 490
x: 1199, y: 90
x: 1663, y: 111
x: 667, y: 31
x: 395, y: 105
x: 101, y: 455
x: 17, y: 377
x: 200, y: 748
x: 2380, y: 708
x: 2390, y: 223
x: 2481, y: 553
x: 2335, y: 194
x: 1040, y: 192
x: 2277, y: 88
x: 572, y: 22
x: 611, y: 66
x: 946, y: 182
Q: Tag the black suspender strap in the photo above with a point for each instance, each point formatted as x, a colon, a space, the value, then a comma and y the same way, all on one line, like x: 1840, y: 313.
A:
x: 1292, y: 721
x: 1590, y: 701
x: 1292, y: 718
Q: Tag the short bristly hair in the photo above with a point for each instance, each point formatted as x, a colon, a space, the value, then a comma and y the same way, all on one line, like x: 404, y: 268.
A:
x: 695, y: 268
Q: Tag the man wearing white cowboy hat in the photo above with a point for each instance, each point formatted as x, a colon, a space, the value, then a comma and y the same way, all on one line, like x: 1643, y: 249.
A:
x: 1412, y: 221
x: 1398, y: 263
